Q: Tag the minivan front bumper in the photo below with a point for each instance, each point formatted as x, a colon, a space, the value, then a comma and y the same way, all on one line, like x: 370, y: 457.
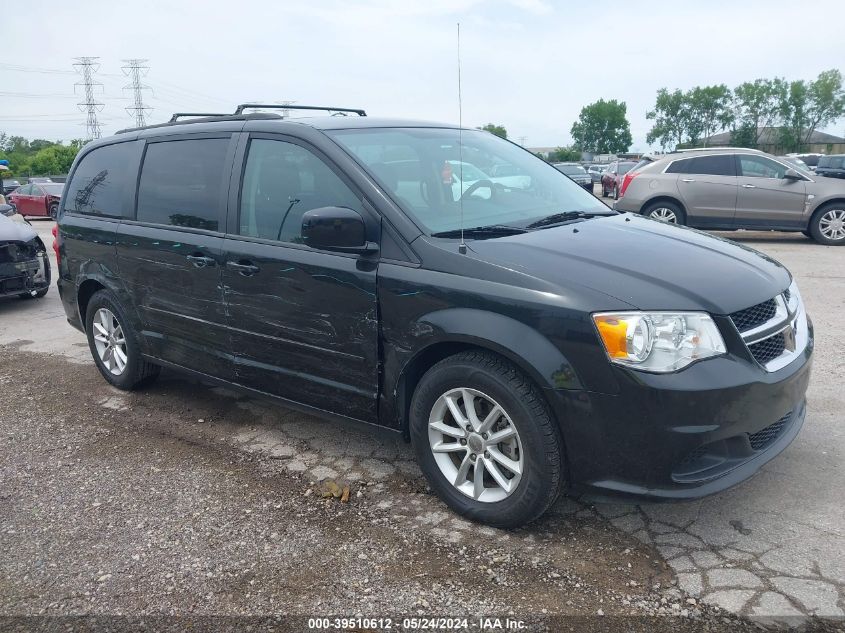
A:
x: 684, y: 435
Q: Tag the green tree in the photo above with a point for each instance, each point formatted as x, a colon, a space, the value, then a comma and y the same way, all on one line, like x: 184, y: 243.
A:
x: 498, y: 130
x: 825, y: 101
x: 603, y: 128
x: 793, y: 112
x: 565, y: 155
x: 708, y: 111
x: 37, y: 157
x: 670, y: 118
x: 756, y: 106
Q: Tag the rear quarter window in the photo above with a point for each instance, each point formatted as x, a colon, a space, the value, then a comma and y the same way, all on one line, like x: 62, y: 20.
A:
x: 103, y: 181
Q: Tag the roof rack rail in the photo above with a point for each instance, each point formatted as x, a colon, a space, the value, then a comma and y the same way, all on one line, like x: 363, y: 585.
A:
x: 277, y: 106
x: 177, y: 115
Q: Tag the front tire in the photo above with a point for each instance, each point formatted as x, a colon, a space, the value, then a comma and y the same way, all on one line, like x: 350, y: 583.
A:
x: 828, y: 225
x: 54, y: 210
x: 114, y: 344
x: 485, y: 440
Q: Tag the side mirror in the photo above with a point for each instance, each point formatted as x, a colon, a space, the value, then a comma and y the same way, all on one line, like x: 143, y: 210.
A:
x: 336, y: 229
x: 7, y: 210
x: 791, y: 174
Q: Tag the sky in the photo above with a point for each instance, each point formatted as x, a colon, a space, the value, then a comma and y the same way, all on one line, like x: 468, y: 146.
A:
x: 530, y: 65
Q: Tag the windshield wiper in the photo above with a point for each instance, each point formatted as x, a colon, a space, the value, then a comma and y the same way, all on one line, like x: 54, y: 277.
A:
x: 557, y: 218
x: 483, y: 231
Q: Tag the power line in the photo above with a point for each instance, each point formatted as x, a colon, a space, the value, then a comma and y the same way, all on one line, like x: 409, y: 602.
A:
x: 87, y: 66
x: 135, y: 69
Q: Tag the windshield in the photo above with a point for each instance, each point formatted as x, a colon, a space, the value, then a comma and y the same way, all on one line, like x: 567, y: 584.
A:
x: 571, y: 170
x: 54, y: 189
x: 420, y: 168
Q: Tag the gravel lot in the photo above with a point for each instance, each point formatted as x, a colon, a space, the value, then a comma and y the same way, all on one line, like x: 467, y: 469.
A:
x: 192, y: 500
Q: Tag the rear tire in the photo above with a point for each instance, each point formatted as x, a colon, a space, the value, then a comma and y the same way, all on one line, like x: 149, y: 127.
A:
x: 665, y: 211
x: 114, y: 345
x: 54, y: 210
x: 533, y: 441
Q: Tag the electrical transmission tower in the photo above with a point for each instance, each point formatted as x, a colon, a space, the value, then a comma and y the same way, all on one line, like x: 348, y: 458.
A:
x: 135, y: 69
x: 87, y: 67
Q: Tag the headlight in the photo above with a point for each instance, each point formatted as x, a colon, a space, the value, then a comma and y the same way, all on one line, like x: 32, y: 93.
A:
x: 658, y: 341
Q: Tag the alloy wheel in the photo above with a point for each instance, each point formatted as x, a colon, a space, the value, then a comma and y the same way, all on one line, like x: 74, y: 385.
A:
x: 664, y: 214
x: 476, y: 445
x: 110, y: 341
x: 832, y: 224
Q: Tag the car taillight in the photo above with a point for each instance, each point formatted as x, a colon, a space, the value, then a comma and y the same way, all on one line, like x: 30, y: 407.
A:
x: 56, y: 244
x: 627, y: 181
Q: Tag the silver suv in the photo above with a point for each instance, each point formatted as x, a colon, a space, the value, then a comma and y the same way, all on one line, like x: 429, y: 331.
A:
x: 730, y: 188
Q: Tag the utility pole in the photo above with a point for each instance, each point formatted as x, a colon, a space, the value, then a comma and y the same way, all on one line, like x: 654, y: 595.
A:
x: 135, y: 69
x: 87, y: 67
x: 521, y: 140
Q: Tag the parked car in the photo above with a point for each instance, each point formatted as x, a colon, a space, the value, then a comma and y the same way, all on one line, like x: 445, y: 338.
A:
x: 9, y: 185
x: 24, y: 264
x: 796, y: 162
x: 40, y: 199
x: 737, y: 189
x: 596, y: 171
x: 811, y: 160
x: 831, y: 166
x: 611, y: 179
x: 525, y: 341
x: 39, y: 180
x: 577, y: 173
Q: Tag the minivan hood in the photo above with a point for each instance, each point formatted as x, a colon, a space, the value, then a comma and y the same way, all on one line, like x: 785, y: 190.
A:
x: 648, y: 264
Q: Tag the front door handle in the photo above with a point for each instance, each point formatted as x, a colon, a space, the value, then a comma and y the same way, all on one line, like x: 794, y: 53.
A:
x: 687, y: 179
x: 244, y: 268
x: 749, y: 186
x: 201, y: 261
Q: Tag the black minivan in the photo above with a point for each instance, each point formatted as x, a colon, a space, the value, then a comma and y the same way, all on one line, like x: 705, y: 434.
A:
x: 523, y: 336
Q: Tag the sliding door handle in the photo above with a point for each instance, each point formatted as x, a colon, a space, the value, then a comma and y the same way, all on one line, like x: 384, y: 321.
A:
x: 244, y: 268
x: 687, y: 179
x: 749, y: 186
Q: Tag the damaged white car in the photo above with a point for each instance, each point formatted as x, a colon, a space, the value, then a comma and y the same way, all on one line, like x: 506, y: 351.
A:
x: 24, y: 264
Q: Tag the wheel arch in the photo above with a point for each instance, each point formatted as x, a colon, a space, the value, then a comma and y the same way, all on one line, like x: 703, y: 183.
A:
x: 664, y: 198
x: 462, y: 329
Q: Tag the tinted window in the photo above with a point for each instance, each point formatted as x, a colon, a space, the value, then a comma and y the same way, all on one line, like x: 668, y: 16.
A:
x: 760, y: 167
x: 100, y: 181
x: 281, y: 182
x: 679, y: 167
x: 721, y: 165
x: 181, y: 183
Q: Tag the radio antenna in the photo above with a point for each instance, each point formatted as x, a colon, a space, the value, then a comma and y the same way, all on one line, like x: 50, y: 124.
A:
x: 462, y: 247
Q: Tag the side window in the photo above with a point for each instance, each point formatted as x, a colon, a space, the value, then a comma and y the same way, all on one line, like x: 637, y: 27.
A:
x: 760, y: 167
x: 679, y: 167
x: 182, y: 181
x: 98, y: 186
x: 719, y: 165
x: 23, y: 191
x: 36, y: 191
x: 281, y: 182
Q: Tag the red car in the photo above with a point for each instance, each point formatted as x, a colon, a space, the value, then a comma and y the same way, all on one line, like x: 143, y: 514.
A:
x: 39, y: 199
x: 611, y: 180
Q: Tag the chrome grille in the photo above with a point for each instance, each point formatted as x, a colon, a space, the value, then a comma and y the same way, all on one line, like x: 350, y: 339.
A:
x: 754, y: 316
x: 768, y: 349
x: 774, y: 331
x: 765, y: 437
